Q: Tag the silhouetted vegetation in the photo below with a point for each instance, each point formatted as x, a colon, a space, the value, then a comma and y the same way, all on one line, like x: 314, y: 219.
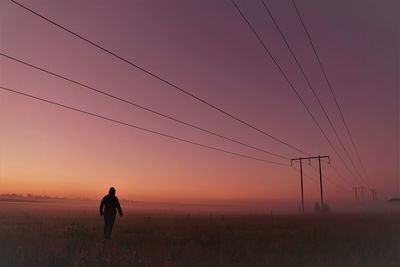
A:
x: 74, y: 237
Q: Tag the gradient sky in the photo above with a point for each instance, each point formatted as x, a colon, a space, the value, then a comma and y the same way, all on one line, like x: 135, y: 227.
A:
x: 206, y: 48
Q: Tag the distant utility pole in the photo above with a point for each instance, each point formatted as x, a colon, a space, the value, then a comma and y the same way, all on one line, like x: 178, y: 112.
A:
x: 301, y: 176
x: 355, y: 190
x: 362, y: 192
x: 373, y: 193
x: 362, y: 188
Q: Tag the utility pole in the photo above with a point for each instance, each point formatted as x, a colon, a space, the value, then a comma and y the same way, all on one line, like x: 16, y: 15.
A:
x: 301, y: 181
x: 362, y: 188
x: 355, y: 190
x: 320, y: 181
x: 362, y: 192
x: 320, y: 175
x: 373, y: 193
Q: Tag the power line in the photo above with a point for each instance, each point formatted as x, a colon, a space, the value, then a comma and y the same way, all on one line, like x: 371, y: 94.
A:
x: 330, y: 87
x: 339, y: 174
x: 291, y: 85
x: 140, y: 128
x: 140, y: 106
x: 330, y: 185
x: 306, y: 175
x: 152, y: 74
x: 329, y: 179
x: 310, y: 85
x: 337, y: 187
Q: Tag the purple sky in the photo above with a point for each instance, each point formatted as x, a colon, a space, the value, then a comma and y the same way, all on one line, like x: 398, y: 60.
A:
x: 206, y: 48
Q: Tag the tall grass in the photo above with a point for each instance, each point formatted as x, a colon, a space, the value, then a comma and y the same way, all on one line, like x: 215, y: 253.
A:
x: 74, y: 238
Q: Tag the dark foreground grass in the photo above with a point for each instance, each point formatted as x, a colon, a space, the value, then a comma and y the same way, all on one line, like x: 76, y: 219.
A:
x: 39, y: 237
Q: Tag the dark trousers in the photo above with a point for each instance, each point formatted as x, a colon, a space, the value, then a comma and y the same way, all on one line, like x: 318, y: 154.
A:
x: 108, y: 225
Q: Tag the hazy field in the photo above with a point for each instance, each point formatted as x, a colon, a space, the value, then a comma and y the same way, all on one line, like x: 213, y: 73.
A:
x: 70, y: 235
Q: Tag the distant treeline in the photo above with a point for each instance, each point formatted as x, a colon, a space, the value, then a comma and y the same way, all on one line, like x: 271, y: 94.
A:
x: 38, y: 197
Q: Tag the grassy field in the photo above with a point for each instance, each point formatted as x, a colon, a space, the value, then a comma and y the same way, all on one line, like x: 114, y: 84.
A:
x: 33, y: 235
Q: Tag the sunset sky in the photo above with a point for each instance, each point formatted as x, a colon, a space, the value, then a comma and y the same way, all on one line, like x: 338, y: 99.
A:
x: 206, y: 48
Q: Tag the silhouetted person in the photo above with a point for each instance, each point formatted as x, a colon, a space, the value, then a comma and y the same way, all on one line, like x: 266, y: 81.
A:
x: 108, y: 207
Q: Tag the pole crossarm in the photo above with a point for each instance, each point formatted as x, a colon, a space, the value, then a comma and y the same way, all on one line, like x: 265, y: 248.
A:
x: 310, y: 158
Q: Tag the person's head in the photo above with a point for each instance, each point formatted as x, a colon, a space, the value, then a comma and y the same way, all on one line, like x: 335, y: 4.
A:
x: 111, y: 191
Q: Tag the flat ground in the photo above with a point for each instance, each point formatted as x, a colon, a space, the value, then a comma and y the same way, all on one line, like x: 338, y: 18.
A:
x: 46, y: 235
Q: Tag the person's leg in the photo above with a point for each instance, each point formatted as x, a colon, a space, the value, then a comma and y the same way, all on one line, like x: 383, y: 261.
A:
x: 109, y: 221
x: 105, y: 227
x: 111, y: 224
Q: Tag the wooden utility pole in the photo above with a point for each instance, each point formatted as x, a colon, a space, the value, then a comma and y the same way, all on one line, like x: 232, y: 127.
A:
x: 301, y: 181
x: 355, y: 190
x: 362, y: 192
x: 320, y: 181
x: 362, y: 188
x: 373, y: 193
x: 320, y: 176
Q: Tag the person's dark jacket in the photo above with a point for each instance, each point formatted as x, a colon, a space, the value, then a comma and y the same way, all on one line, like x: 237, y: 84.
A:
x: 109, y: 206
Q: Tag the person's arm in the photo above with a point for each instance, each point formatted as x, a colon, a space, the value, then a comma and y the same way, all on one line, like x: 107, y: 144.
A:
x: 102, y: 207
x: 119, y: 208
